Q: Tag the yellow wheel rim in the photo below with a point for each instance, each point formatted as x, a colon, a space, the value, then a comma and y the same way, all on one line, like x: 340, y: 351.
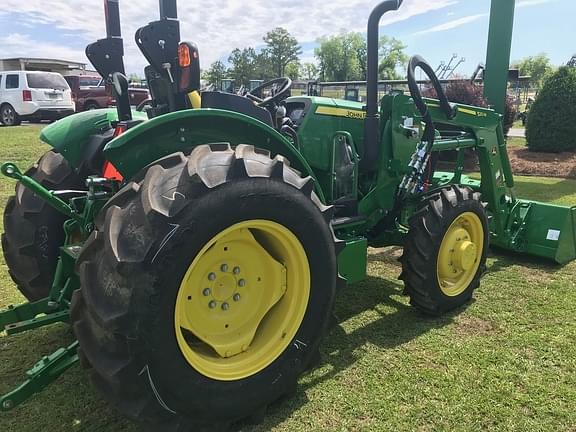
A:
x: 460, y: 254
x: 242, y: 300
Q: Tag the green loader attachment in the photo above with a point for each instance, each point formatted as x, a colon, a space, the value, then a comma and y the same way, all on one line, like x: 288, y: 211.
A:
x: 196, y: 248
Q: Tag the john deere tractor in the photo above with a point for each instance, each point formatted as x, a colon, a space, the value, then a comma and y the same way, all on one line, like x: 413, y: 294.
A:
x: 196, y: 249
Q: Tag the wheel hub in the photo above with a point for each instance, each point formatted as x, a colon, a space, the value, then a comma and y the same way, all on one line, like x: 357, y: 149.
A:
x: 240, y: 299
x: 465, y: 254
x: 224, y: 287
x: 460, y: 254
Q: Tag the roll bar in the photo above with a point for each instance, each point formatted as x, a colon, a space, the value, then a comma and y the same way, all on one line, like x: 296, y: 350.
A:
x: 112, y: 16
x: 168, y: 9
x: 107, y: 57
x: 371, y: 155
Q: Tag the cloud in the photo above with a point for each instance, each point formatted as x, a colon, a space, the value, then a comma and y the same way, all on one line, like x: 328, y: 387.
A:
x: 22, y: 45
x: 527, y: 3
x: 217, y: 26
x: 452, y: 24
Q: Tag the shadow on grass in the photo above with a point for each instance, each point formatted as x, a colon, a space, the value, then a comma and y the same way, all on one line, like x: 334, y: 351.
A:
x: 502, y: 259
x: 340, y: 350
x: 397, y: 325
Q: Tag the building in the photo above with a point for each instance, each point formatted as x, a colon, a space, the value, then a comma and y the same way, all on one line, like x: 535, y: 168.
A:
x: 63, y: 67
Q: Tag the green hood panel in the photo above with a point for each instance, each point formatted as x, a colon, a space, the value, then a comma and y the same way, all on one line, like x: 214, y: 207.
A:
x: 69, y: 135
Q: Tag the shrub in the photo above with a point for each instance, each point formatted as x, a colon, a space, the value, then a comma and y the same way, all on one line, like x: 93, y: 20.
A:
x: 467, y: 93
x: 551, y: 125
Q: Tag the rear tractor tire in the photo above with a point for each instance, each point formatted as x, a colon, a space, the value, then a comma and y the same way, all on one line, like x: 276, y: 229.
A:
x: 34, y: 231
x: 206, y: 289
x: 445, y: 250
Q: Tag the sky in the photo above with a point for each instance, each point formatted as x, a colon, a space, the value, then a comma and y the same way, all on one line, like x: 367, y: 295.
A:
x: 435, y: 29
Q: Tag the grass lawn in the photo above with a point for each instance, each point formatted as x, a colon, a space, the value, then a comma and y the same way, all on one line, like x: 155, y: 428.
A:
x: 516, y: 142
x: 507, y: 362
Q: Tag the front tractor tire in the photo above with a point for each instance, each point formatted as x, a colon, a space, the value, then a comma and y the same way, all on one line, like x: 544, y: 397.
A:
x: 445, y: 250
x: 34, y: 231
x: 206, y: 289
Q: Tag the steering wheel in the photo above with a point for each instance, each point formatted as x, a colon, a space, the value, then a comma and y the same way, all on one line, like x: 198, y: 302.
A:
x: 280, y: 89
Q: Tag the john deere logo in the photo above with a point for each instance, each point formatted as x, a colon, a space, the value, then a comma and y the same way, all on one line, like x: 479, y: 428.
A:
x: 340, y: 112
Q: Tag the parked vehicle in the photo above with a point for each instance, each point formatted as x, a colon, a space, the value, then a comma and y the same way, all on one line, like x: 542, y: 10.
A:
x: 29, y: 95
x: 89, y: 92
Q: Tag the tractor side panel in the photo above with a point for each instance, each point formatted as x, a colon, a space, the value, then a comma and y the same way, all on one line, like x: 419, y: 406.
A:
x: 71, y: 135
x: 185, y: 130
x: 324, y: 118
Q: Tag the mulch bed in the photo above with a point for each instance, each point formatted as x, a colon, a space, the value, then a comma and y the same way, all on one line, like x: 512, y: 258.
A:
x: 525, y: 162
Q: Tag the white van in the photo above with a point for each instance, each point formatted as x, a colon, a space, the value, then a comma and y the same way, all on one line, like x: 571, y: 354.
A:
x: 28, y: 95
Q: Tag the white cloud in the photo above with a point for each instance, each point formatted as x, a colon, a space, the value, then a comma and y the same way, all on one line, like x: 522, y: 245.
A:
x: 22, y: 45
x: 527, y: 3
x: 452, y: 24
x: 217, y: 26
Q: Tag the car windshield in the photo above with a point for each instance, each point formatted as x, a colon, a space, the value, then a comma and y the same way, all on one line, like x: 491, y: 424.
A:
x: 47, y: 81
x: 89, y: 81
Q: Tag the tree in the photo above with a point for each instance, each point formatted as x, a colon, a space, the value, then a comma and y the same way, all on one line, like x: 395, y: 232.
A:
x: 243, y: 65
x: 134, y: 78
x: 392, y: 56
x: 538, y: 67
x: 216, y: 73
x: 282, y: 49
x: 263, y: 68
x: 344, y: 57
x: 293, y: 70
x: 340, y: 57
x: 551, y: 126
x: 309, y: 71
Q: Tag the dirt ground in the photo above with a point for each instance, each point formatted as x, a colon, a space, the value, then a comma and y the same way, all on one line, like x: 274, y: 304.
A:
x: 525, y: 162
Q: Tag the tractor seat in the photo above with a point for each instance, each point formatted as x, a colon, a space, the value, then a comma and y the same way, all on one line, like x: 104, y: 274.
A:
x: 240, y: 104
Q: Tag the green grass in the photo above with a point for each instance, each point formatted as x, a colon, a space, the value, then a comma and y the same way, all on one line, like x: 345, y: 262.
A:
x: 507, y: 362
x: 516, y: 142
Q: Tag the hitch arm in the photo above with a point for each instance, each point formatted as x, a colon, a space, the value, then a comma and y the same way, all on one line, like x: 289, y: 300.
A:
x: 10, y: 170
x: 40, y: 376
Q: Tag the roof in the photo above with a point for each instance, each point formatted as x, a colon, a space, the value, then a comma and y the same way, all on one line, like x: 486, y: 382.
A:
x: 2, y: 72
x: 42, y: 60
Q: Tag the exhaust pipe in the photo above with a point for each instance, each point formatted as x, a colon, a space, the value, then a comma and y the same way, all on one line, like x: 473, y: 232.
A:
x: 371, y: 155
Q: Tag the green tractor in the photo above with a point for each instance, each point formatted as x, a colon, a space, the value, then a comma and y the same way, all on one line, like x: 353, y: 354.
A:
x: 197, y: 249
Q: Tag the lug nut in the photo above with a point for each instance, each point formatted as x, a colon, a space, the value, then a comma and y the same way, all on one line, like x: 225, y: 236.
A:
x: 206, y: 292
x: 211, y: 276
x: 225, y: 306
x: 236, y: 270
x: 224, y: 268
x: 212, y: 304
x: 236, y: 297
x: 241, y: 283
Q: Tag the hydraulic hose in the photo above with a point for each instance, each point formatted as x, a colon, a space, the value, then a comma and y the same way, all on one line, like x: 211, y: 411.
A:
x: 418, y: 62
x: 422, y: 165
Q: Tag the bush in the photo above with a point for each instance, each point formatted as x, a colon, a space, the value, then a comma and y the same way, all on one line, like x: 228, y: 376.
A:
x: 467, y: 93
x: 551, y: 125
